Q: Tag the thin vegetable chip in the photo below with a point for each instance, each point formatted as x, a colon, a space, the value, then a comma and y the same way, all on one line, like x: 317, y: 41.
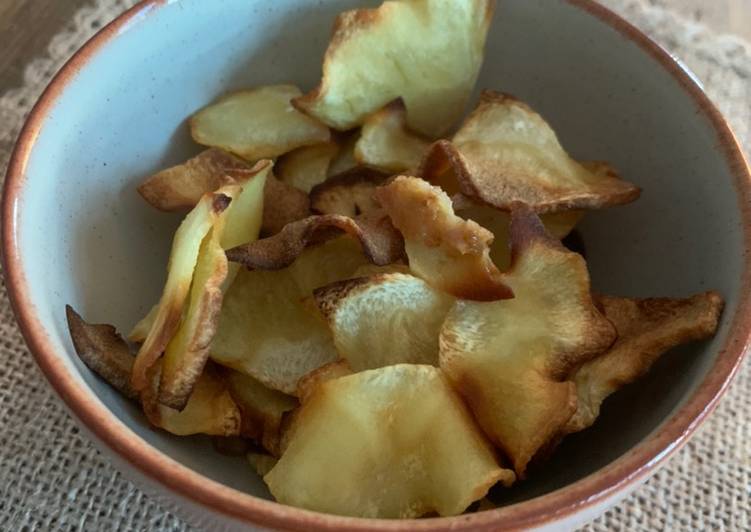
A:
x: 308, y: 166
x: 210, y: 408
x: 647, y: 328
x: 428, y: 52
x: 182, y: 186
x: 267, y: 329
x: 182, y: 263
x: 505, y: 152
x: 283, y: 204
x: 448, y: 252
x: 385, y: 319
x: 394, y: 442
x: 103, y: 351
x: 348, y: 194
x: 512, y: 360
x: 497, y: 222
x: 387, y: 143
x: 261, y: 409
x: 257, y: 124
x: 379, y: 240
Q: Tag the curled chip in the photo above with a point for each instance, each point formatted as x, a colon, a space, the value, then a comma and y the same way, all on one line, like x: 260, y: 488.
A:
x: 183, y: 258
x: 187, y: 351
x: 385, y: 319
x: 512, y: 360
x: 428, y: 52
x: 261, y: 409
x: 266, y: 329
x: 283, y: 204
x: 348, y: 194
x: 496, y: 221
x: 308, y: 166
x: 387, y: 143
x: 183, y: 323
x: 182, y: 186
x: 646, y: 329
x: 103, y: 350
x: 394, y: 442
x: 256, y: 124
x: 450, y: 253
x: 210, y: 408
x: 380, y: 241
x: 245, y: 216
x: 505, y: 152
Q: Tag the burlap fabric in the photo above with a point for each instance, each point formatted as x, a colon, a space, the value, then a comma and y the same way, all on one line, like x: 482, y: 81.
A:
x: 54, y: 479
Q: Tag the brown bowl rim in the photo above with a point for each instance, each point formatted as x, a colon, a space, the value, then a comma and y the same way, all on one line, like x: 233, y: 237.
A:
x: 598, y: 487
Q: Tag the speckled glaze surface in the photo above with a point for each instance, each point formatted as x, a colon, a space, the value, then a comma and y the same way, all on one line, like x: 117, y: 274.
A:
x: 75, y: 231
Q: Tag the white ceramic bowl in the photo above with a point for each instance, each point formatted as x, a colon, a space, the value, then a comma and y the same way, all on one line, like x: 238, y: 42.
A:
x: 75, y: 231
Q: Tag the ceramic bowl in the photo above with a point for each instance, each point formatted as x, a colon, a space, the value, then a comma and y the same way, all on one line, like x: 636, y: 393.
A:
x: 75, y: 231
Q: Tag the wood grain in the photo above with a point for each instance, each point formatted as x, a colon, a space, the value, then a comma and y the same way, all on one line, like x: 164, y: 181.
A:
x: 27, y: 26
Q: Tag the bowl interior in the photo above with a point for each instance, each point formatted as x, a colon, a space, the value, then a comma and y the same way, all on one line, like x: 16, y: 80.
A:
x: 86, y: 237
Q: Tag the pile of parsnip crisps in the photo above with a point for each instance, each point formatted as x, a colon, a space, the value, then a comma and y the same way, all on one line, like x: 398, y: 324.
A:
x: 369, y: 295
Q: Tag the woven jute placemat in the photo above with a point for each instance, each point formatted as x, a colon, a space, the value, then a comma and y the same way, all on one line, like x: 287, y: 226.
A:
x: 54, y: 479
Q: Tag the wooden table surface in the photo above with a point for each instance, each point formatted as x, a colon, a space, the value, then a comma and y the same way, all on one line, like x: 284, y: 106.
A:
x: 27, y: 26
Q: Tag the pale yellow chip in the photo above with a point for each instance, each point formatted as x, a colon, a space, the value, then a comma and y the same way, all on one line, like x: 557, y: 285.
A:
x: 385, y: 319
x: 183, y: 259
x: 394, y: 442
x: 210, y: 408
x: 187, y: 351
x: 512, y: 360
x: 306, y: 167
x: 247, y: 213
x: 257, y: 124
x: 262, y: 409
x: 505, y: 152
x: 496, y: 221
x: 647, y: 328
x: 181, y: 187
x: 182, y: 325
x: 267, y: 331
x: 448, y: 252
x: 428, y: 52
x: 387, y: 143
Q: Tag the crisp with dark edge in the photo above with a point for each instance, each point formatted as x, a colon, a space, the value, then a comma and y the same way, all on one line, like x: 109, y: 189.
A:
x: 283, y: 204
x: 493, y: 159
x: 349, y: 193
x: 450, y: 253
x: 381, y: 243
x: 181, y: 187
x: 513, y: 360
x: 647, y: 328
x: 103, y: 350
